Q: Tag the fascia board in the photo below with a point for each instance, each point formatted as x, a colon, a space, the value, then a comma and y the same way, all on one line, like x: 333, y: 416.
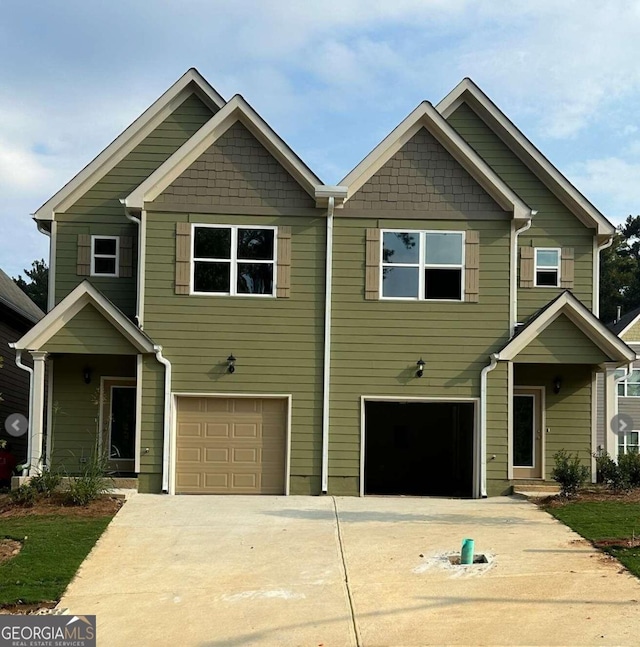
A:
x: 468, y: 92
x: 120, y: 147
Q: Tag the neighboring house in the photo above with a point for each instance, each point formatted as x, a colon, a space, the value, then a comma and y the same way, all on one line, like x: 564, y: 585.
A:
x: 18, y: 314
x: 627, y: 391
x: 222, y: 322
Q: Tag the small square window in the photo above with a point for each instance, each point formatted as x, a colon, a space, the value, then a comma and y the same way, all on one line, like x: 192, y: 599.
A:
x: 547, y: 267
x: 105, y: 251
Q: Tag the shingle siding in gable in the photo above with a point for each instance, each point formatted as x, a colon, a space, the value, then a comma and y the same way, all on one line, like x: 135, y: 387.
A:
x: 237, y: 170
x: 422, y: 171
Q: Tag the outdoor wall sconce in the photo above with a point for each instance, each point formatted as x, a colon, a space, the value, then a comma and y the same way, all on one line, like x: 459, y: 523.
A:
x: 231, y: 363
x: 86, y: 374
x: 420, y: 364
x: 557, y: 383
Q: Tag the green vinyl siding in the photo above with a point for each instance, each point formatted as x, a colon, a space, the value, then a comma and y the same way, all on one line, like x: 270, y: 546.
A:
x: 152, y: 430
x: 561, y: 342
x: 497, y: 426
x: 89, y: 332
x: 278, y: 343
x: 76, y: 410
x: 553, y: 226
x: 376, y: 344
x: 99, y: 210
x: 568, y: 413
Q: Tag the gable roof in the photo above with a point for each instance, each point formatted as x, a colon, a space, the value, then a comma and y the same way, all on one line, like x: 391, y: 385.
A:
x: 237, y: 109
x: 426, y: 116
x: 69, y: 307
x: 567, y: 304
x: 13, y: 297
x: 468, y: 92
x: 623, y: 324
x: 190, y: 82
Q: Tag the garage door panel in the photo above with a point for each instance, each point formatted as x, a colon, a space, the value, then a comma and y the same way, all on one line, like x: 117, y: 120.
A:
x: 231, y: 445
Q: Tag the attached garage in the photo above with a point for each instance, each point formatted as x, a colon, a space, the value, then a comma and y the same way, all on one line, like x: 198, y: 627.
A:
x: 231, y: 445
x: 419, y: 448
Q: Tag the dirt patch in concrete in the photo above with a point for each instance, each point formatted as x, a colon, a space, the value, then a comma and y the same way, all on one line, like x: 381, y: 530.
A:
x: 9, y: 548
x: 57, y: 505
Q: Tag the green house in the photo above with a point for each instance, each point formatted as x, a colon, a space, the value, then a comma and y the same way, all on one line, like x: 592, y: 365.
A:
x: 220, y: 321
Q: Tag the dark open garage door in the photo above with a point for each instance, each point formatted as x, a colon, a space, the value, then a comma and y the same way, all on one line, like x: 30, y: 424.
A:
x: 419, y: 448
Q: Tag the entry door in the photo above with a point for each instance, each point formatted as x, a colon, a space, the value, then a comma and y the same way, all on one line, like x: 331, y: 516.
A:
x: 527, y: 434
x: 119, y: 423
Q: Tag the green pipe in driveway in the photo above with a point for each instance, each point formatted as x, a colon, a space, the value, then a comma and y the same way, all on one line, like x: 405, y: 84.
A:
x: 466, y: 554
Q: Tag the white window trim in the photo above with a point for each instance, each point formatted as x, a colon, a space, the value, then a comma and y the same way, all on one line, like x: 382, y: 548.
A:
x: 422, y: 265
x: 547, y: 268
x: 94, y: 256
x: 625, y: 385
x: 233, y: 261
x: 623, y: 445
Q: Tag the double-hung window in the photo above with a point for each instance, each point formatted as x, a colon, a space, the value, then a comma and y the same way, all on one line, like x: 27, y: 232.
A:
x: 629, y: 442
x: 547, y: 267
x: 105, y: 255
x: 629, y: 387
x: 422, y: 265
x: 233, y: 260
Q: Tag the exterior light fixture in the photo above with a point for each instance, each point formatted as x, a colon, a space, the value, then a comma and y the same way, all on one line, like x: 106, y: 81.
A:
x: 420, y: 364
x: 86, y: 374
x: 231, y: 363
x: 557, y: 383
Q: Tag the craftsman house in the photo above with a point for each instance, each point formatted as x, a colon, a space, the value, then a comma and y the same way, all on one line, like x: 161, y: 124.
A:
x: 220, y: 321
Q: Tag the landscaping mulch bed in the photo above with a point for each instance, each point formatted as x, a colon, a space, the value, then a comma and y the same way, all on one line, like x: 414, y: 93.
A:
x: 589, y: 495
x: 56, y: 504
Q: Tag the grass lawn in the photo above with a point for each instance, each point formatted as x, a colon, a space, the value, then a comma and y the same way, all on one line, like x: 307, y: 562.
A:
x: 606, y: 520
x: 53, y: 548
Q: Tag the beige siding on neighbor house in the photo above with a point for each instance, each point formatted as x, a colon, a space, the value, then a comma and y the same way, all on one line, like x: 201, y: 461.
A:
x: 99, y: 211
x: 89, y: 332
x: 553, y: 226
x: 277, y: 342
x: 561, y: 342
x: 633, y: 334
x: 236, y: 171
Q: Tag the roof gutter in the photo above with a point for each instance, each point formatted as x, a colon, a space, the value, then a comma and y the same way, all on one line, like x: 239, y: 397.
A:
x: 330, y: 194
x: 166, y: 439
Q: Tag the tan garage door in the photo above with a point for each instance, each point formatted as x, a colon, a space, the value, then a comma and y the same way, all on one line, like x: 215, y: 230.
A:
x: 231, y: 445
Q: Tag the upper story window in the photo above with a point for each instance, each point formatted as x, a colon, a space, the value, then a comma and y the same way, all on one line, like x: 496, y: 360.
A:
x: 629, y: 387
x: 233, y: 260
x: 105, y: 255
x: 629, y: 443
x: 422, y: 265
x: 547, y: 267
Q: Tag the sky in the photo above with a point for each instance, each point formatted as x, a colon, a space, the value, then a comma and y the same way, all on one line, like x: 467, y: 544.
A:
x: 332, y: 77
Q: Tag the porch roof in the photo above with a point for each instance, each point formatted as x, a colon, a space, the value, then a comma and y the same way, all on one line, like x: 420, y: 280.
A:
x: 84, y: 296
x: 588, y: 328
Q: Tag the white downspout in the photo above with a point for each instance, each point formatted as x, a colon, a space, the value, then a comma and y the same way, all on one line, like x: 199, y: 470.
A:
x: 29, y: 370
x: 513, y: 301
x: 595, y: 308
x: 327, y: 347
x: 483, y: 423
x: 166, y: 445
x: 140, y: 223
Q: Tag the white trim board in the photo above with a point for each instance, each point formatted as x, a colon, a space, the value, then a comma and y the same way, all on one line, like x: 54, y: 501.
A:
x: 196, y: 394
x: 237, y: 109
x: 190, y: 82
x: 468, y: 92
x: 426, y: 116
x: 416, y: 399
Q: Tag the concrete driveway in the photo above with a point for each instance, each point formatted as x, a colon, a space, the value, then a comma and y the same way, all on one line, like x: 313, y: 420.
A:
x: 313, y: 571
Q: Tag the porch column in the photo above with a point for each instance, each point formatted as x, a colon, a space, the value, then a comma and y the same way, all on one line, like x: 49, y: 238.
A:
x: 610, y: 410
x: 37, y: 411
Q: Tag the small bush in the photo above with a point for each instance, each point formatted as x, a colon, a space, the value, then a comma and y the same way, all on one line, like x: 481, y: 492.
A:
x: 569, y: 473
x: 90, y: 484
x: 629, y: 465
x: 25, y: 495
x: 621, y: 476
x: 46, y: 483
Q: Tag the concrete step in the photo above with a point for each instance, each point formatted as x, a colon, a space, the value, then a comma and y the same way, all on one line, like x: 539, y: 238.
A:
x: 536, y: 490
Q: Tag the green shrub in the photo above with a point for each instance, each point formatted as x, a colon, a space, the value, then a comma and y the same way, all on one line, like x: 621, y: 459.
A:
x: 90, y: 484
x: 569, y: 472
x: 621, y: 476
x: 24, y: 495
x: 629, y: 465
x: 46, y: 483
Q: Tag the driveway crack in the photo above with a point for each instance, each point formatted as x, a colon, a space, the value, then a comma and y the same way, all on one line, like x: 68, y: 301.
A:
x: 345, y: 574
